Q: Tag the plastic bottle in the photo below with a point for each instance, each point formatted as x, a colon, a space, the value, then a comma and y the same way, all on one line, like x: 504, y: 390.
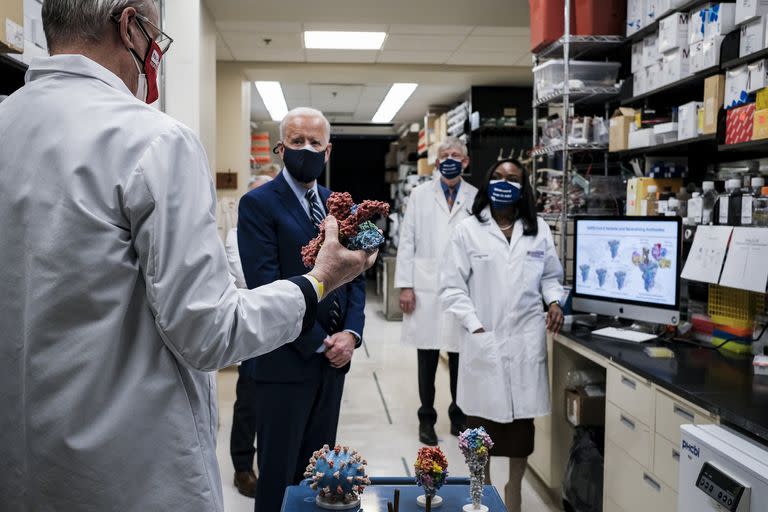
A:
x: 695, y: 208
x: 708, y: 197
x: 648, y: 206
x: 728, y: 208
x: 760, y: 209
x: 748, y: 198
x: 673, y: 207
x: 683, y: 196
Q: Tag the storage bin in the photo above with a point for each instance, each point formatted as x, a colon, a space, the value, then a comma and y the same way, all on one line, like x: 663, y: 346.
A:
x: 548, y: 78
x: 588, y: 17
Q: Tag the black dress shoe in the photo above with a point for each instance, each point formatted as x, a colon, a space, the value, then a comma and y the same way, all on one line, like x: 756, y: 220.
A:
x: 457, y: 429
x: 427, y: 434
x: 245, y: 481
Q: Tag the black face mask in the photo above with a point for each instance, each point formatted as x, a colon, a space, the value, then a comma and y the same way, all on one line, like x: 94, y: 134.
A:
x: 304, y: 165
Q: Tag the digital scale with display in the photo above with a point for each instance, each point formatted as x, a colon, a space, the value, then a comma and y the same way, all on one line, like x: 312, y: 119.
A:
x: 721, y: 471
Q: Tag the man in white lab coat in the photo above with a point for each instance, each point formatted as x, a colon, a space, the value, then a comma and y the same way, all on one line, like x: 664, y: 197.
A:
x: 116, y: 302
x: 434, y: 209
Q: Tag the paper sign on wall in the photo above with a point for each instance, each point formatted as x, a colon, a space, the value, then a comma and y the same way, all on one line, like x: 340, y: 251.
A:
x: 746, y: 266
x: 705, y: 261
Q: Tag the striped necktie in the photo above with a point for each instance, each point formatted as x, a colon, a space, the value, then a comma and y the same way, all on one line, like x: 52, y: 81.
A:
x: 315, y: 211
x: 317, y: 215
x: 451, y: 197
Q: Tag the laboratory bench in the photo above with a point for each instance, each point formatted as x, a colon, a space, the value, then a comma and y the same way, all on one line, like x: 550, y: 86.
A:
x: 647, y: 400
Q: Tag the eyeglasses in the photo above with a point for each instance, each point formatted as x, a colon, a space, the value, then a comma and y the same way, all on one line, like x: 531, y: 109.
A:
x: 162, y: 39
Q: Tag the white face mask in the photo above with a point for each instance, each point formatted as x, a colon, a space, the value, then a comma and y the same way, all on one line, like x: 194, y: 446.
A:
x: 141, y: 89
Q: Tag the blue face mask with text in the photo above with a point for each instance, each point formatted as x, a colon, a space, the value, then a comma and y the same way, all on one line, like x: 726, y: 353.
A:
x: 504, y: 194
x: 450, y: 168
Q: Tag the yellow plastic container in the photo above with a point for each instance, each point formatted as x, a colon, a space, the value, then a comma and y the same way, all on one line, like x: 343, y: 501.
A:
x: 735, y: 308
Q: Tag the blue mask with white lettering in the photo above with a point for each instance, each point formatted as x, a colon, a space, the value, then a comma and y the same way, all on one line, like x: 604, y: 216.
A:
x: 450, y: 168
x: 504, y: 194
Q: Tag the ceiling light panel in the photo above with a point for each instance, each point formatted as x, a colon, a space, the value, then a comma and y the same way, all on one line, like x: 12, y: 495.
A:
x: 343, y: 40
x: 272, y: 95
x: 394, y: 100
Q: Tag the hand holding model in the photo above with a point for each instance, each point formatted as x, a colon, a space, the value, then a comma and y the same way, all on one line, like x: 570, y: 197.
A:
x: 336, y: 265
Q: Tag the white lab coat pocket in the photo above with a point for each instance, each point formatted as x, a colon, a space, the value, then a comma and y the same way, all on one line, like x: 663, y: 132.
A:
x: 425, y: 275
x: 482, y: 387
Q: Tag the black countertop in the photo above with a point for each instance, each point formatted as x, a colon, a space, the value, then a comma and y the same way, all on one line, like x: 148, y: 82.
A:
x: 723, y: 384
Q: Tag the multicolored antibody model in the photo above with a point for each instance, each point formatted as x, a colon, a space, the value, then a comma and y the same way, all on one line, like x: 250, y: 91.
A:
x: 476, y: 444
x: 340, y: 476
x: 431, y: 470
x: 649, y: 263
x: 356, y: 232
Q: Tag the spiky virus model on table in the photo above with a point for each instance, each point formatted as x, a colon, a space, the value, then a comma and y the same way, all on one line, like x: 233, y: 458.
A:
x: 356, y: 231
x: 338, y: 474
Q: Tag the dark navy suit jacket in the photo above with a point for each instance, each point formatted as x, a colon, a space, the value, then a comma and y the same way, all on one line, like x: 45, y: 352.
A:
x: 272, y: 228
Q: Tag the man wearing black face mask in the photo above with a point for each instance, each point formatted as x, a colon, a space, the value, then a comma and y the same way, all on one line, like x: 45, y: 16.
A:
x: 290, y: 398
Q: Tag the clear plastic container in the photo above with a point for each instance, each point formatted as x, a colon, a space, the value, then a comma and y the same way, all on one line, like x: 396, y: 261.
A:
x: 695, y: 209
x: 549, y: 78
x: 760, y: 209
x: 748, y: 198
x: 709, y: 197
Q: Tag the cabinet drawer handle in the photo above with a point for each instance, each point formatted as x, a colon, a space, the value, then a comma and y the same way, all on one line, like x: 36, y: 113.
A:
x: 676, y: 455
x: 628, y: 382
x: 629, y: 423
x: 683, y: 413
x: 650, y: 481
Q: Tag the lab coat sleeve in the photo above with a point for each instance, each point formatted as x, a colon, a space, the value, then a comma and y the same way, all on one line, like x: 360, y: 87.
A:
x: 552, y: 277
x: 454, y: 283
x: 233, y: 259
x: 406, y: 248
x: 201, y: 316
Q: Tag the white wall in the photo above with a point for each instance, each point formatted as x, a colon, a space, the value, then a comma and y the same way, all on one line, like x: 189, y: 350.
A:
x: 207, y: 97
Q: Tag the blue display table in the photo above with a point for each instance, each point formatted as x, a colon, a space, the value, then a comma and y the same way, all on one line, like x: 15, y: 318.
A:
x: 302, y: 499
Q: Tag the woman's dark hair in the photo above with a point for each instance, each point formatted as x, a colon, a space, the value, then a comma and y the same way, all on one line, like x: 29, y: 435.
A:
x: 525, y: 209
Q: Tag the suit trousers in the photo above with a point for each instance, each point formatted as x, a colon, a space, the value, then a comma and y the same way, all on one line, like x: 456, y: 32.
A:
x: 428, y: 361
x: 293, y: 420
x: 241, y: 441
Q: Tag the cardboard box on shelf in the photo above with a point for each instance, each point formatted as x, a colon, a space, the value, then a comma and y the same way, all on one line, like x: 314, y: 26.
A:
x: 688, y: 120
x: 651, y: 53
x: 673, y: 31
x: 762, y: 99
x: 650, y: 12
x: 11, y: 26
x: 638, y: 83
x: 757, y: 76
x: 714, y: 91
x: 711, y: 55
x: 424, y: 168
x: 736, y: 86
x: 637, y: 190
x: 720, y: 20
x: 635, y: 21
x: 738, y: 124
x: 619, y: 126
x: 752, y: 37
x: 641, y: 138
x: 746, y: 9
x: 585, y: 406
x: 665, y: 132
x: 697, y: 23
x: 676, y: 65
x: 696, y: 60
x: 637, y: 57
x: 760, y: 128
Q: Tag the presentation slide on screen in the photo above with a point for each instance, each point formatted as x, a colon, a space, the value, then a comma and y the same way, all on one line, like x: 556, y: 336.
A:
x: 626, y: 260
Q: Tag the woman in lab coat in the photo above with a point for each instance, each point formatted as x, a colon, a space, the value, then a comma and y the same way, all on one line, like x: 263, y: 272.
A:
x: 499, y: 271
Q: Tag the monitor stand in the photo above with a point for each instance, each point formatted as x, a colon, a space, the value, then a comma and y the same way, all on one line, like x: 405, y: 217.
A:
x: 619, y: 329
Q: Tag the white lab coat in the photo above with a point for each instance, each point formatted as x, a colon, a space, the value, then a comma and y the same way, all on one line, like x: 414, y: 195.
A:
x: 233, y: 258
x: 424, y: 235
x: 498, y: 285
x: 116, y: 303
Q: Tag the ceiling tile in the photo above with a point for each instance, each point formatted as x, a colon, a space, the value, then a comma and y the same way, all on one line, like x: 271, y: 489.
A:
x: 222, y: 50
x: 251, y: 40
x: 335, y: 98
x: 450, y: 30
x: 493, y: 44
x: 397, y: 57
x: 351, y: 27
x: 273, y: 27
x: 417, y: 43
x: 462, y: 58
x: 501, y: 31
x: 342, y: 56
x: 298, y: 92
x: 268, y: 55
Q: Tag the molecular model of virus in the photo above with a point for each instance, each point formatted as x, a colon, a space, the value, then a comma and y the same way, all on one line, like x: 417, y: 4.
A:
x: 338, y: 474
x: 356, y: 232
x: 601, y: 273
x: 584, y: 273
x: 614, y: 246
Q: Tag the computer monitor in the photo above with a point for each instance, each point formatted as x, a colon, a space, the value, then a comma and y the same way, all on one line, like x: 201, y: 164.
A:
x: 628, y: 267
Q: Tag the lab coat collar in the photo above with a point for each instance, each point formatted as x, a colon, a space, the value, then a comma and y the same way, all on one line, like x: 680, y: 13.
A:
x: 493, y: 229
x: 461, y: 195
x: 74, y: 64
